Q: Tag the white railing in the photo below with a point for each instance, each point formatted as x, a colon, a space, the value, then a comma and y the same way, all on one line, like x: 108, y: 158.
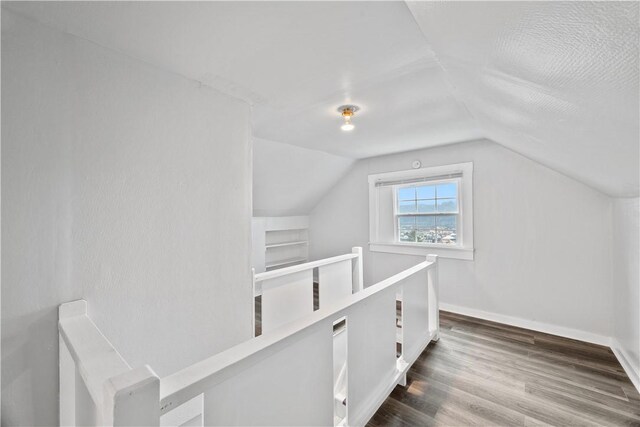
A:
x: 97, y: 386
x: 287, y: 294
x: 285, y: 377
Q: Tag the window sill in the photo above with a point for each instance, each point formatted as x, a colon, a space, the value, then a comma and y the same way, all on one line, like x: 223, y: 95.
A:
x: 415, y: 249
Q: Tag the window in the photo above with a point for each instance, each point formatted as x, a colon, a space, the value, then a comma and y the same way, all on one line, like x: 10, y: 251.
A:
x: 427, y: 213
x: 423, y: 211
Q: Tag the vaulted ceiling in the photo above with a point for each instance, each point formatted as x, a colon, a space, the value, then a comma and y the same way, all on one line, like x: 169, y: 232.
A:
x: 554, y: 81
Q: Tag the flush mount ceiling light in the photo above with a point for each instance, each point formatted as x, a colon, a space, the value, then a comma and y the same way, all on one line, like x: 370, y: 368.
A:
x: 347, y: 112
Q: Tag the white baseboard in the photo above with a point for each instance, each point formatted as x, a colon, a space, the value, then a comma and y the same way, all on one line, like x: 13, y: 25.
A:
x: 625, y: 360
x: 576, y: 334
x: 547, y: 328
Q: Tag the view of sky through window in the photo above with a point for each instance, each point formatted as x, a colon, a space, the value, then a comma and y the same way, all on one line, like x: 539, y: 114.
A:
x: 428, y: 213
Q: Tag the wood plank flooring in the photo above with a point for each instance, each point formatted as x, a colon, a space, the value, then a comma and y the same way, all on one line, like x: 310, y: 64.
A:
x: 486, y: 374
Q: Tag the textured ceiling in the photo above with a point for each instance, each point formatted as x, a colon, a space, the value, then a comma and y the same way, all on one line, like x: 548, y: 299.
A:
x: 296, y: 62
x: 555, y: 81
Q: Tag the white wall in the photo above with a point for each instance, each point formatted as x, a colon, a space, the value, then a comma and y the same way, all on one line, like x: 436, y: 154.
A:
x: 124, y: 185
x: 290, y: 180
x: 626, y: 284
x: 542, y: 240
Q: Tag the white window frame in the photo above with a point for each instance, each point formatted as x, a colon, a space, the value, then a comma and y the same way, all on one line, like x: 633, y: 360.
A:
x: 463, y: 249
x: 397, y: 215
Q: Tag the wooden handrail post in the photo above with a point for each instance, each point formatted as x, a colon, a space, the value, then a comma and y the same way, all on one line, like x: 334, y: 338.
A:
x: 358, y: 279
x: 434, y: 296
x: 132, y: 399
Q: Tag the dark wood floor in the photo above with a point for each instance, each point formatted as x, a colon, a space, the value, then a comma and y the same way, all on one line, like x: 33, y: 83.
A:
x: 485, y: 373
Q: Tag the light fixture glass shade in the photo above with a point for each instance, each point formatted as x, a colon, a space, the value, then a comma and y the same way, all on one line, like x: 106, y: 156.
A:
x: 347, y: 112
x: 347, y: 126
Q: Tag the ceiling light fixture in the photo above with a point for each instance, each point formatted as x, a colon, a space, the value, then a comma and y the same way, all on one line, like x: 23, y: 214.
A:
x: 347, y: 112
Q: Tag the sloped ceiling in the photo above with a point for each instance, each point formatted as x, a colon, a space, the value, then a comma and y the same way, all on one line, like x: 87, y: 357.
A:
x: 291, y: 180
x: 295, y: 62
x: 554, y: 81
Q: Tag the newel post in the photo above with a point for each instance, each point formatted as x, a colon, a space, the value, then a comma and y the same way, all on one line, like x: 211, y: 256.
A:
x: 358, y: 279
x: 434, y: 297
x: 132, y: 399
x: 67, y: 366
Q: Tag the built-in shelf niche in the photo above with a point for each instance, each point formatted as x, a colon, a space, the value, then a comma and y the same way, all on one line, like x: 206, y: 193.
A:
x: 289, y: 237
x: 279, y: 242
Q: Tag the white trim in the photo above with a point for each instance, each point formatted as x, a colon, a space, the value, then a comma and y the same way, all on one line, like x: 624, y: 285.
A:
x: 454, y: 252
x: 184, y: 413
x: 463, y: 250
x: 95, y: 358
x: 279, y: 245
x: 422, y: 172
x: 301, y: 267
x: 618, y: 350
x: 534, y: 325
x: 625, y: 360
x: 287, y: 261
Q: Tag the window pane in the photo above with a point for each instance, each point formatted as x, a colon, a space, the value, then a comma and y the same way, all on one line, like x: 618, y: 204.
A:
x: 407, y: 222
x: 446, y: 226
x: 425, y: 221
x: 407, y: 228
x: 426, y: 192
x: 447, y: 205
x: 406, y: 193
x: 426, y: 206
x: 426, y: 229
x: 407, y: 206
x: 428, y: 213
x: 448, y: 190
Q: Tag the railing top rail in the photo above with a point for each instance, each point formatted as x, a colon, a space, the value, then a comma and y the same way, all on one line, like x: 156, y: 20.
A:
x: 302, y: 267
x: 193, y: 380
x: 94, y: 356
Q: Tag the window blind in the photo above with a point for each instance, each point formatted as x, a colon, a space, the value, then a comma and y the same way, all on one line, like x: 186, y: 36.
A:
x: 417, y: 180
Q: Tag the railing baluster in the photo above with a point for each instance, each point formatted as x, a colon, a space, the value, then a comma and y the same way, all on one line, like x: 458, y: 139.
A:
x: 434, y: 297
x: 358, y: 279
